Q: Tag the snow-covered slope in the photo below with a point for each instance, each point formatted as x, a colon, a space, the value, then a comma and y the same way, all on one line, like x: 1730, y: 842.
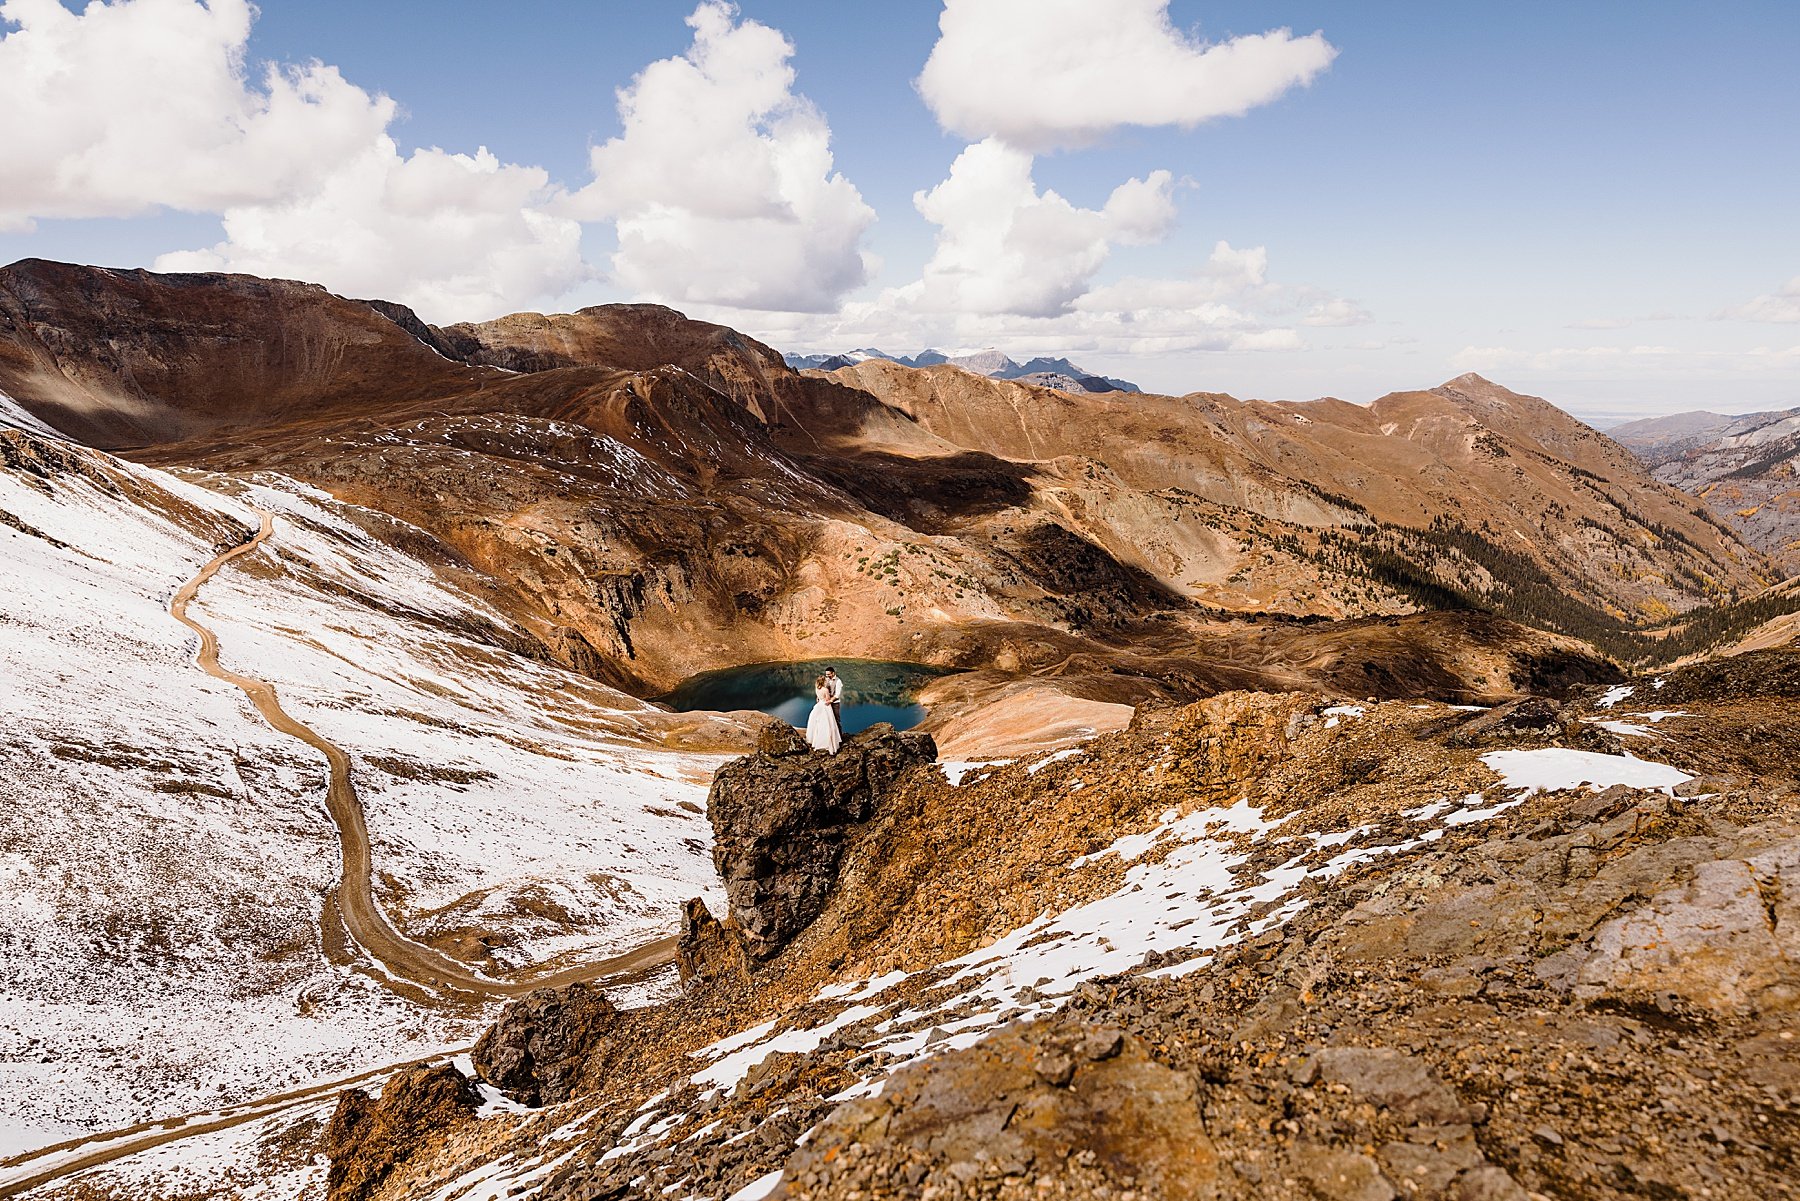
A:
x: 499, y: 791
x: 164, y: 854
x: 14, y: 417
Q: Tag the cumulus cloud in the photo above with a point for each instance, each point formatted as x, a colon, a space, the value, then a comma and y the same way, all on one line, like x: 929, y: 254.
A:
x: 136, y: 105
x: 1226, y: 304
x: 455, y: 236
x: 1004, y: 247
x: 1781, y: 306
x: 722, y: 184
x: 142, y: 104
x: 1024, y: 77
x: 1045, y: 74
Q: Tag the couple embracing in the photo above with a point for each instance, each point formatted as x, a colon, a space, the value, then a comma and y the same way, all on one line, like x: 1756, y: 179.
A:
x: 825, y: 725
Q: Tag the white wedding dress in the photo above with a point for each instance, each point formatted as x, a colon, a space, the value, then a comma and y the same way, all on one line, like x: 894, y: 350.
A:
x: 821, y: 726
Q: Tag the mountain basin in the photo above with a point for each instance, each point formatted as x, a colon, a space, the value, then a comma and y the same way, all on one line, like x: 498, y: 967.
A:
x: 875, y: 690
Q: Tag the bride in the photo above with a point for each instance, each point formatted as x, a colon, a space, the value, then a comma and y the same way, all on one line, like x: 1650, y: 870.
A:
x: 821, y: 726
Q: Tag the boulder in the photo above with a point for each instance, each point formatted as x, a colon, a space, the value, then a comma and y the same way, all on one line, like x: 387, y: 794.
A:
x: 707, y: 949
x: 778, y: 739
x: 536, y: 1050
x: 780, y: 820
x: 1723, y: 941
x: 1334, y: 1174
x: 367, y: 1138
x: 1532, y: 719
x: 1394, y: 1080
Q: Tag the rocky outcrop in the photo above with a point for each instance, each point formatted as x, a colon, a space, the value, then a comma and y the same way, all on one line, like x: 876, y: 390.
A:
x: 707, y: 949
x: 1533, y: 719
x: 1077, y: 1110
x: 367, y: 1138
x: 1727, y: 941
x: 540, y: 1044
x: 780, y: 818
x: 1582, y: 993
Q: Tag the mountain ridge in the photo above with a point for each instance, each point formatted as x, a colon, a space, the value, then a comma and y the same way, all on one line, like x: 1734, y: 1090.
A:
x: 604, y: 462
x: 1058, y: 373
x: 1746, y: 468
x: 1241, y: 709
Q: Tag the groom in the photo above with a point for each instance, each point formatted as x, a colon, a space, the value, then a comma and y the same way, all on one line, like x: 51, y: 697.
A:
x: 835, y: 687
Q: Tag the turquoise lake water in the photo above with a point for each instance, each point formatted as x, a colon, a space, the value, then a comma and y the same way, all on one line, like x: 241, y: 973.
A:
x: 875, y: 690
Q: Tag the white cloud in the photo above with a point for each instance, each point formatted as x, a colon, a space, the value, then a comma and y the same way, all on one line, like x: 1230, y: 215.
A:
x: 1027, y: 76
x: 722, y: 183
x: 1226, y: 305
x: 455, y: 236
x: 1337, y: 312
x: 136, y: 105
x: 1780, y: 307
x: 1044, y: 74
x: 1004, y: 247
x: 141, y: 104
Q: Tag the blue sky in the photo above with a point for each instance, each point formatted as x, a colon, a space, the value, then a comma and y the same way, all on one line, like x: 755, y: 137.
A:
x: 1595, y: 202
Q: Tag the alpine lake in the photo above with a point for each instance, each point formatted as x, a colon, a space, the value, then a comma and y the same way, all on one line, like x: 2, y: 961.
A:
x: 875, y: 690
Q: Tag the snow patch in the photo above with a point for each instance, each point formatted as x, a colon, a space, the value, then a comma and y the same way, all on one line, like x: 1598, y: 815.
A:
x: 1054, y: 757
x: 1557, y: 768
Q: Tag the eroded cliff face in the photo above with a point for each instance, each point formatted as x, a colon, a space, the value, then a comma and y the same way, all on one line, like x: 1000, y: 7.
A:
x: 1264, y: 946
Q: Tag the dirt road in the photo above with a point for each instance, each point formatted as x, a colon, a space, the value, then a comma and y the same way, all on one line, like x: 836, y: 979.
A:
x: 405, y: 961
x: 355, y: 903
x: 43, y: 1167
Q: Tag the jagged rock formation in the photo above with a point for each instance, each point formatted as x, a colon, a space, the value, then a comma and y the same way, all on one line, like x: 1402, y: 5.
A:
x: 780, y: 818
x: 543, y: 1041
x: 708, y: 949
x: 1534, y: 719
x: 367, y: 1138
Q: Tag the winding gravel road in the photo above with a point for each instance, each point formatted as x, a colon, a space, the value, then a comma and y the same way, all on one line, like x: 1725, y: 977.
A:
x: 404, y: 962
x: 354, y: 901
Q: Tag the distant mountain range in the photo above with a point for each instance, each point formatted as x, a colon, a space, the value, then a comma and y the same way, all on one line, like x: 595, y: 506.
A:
x: 1043, y: 371
x: 1746, y: 469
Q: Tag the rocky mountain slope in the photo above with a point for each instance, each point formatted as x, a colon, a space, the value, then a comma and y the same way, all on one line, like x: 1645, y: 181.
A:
x: 1264, y: 946
x: 655, y: 496
x: 1467, y: 491
x: 1253, y: 845
x: 168, y: 904
x: 1744, y: 468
